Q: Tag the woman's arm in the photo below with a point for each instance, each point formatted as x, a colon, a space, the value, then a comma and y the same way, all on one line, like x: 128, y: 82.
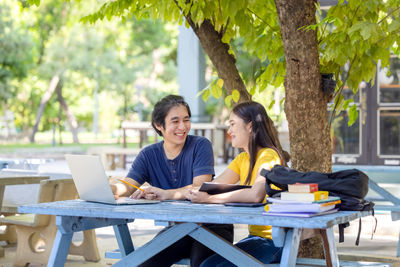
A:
x: 254, y: 194
x: 176, y: 194
x: 227, y: 177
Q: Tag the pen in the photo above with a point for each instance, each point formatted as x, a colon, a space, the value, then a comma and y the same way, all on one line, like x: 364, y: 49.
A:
x: 132, y: 185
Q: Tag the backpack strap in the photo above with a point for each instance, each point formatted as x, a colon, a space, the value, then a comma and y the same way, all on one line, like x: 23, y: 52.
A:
x: 359, y: 232
x: 341, y: 231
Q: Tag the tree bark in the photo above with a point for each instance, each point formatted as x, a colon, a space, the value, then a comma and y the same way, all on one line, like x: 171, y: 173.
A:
x: 223, y: 62
x: 70, y: 117
x: 305, y: 103
x: 45, y: 98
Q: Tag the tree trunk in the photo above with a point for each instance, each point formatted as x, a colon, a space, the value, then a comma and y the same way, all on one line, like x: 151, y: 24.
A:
x: 305, y: 103
x: 70, y: 117
x: 223, y: 62
x: 45, y: 98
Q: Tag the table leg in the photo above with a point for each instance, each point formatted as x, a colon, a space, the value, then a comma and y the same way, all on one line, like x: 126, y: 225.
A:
x: 291, y: 247
x: 328, y: 240
x: 224, y: 248
x: 159, y: 243
x: 2, y: 187
x: 59, y: 252
x: 124, y: 239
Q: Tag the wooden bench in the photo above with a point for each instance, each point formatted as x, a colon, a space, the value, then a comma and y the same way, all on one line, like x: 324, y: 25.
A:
x: 36, y: 233
x: 114, y: 157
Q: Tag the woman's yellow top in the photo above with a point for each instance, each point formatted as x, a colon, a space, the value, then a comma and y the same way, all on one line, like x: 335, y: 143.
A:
x: 241, y: 165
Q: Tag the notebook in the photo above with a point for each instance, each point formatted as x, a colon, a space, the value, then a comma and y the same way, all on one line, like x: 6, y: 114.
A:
x: 214, y: 188
x: 92, y: 183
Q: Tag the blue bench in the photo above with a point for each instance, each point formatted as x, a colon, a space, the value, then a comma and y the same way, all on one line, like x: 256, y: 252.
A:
x: 381, y: 177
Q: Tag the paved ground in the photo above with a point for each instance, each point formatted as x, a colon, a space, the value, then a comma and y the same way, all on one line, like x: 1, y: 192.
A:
x: 384, y: 242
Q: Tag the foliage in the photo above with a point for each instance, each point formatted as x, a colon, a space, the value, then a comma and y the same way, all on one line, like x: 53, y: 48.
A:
x: 115, y: 59
x: 358, y: 33
x: 16, y: 50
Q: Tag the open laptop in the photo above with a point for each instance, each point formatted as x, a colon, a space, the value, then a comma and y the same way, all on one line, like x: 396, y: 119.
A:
x: 92, y: 183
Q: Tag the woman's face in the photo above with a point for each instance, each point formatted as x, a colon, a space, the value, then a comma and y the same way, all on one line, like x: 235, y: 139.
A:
x: 239, y: 132
x: 177, y: 126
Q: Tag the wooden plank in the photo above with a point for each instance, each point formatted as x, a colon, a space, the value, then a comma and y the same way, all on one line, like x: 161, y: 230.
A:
x: 278, y: 236
x: 124, y: 239
x: 183, y: 211
x: 331, y: 255
x: 384, y: 193
x: 60, y: 249
x: 163, y: 240
x: 291, y: 248
x: 17, y: 179
x: 224, y: 248
x: 77, y: 223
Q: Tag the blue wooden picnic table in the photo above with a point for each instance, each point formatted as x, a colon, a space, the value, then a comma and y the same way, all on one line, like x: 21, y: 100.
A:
x: 78, y: 215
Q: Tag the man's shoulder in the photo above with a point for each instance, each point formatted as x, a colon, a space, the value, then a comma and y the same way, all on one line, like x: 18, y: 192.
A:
x: 198, y: 140
x: 152, y: 148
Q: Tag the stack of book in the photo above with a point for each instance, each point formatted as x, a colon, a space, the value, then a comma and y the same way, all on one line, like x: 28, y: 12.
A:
x: 302, y: 200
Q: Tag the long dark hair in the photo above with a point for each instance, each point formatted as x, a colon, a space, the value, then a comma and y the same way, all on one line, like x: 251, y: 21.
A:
x: 261, y: 133
x: 162, y: 107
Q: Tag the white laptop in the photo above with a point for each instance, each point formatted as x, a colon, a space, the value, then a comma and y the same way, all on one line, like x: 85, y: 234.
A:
x: 92, y: 183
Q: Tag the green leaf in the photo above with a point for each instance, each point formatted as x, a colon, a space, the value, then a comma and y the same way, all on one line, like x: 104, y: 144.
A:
x: 228, y: 101
x: 339, y: 101
x: 206, y: 95
x: 353, y: 115
x: 220, y: 83
x: 216, y: 91
x: 271, y: 104
x: 346, y: 103
x: 394, y: 26
x: 235, y: 95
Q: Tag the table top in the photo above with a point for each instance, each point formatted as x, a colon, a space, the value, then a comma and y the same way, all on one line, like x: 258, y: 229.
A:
x: 185, y: 211
x: 17, y: 179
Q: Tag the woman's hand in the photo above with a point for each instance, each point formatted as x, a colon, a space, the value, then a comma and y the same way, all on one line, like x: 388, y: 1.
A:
x: 198, y: 197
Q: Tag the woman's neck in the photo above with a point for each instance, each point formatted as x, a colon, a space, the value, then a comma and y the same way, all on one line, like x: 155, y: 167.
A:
x: 247, y: 150
x: 172, y: 150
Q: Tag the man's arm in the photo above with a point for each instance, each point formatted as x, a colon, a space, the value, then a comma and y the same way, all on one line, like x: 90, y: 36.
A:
x: 120, y: 189
x: 179, y: 193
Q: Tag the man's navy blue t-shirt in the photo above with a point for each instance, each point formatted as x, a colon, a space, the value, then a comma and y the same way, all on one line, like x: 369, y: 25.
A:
x: 152, y: 165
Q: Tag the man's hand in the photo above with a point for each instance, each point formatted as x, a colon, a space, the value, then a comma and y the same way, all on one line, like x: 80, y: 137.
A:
x: 157, y: 193
x: 148, y: 193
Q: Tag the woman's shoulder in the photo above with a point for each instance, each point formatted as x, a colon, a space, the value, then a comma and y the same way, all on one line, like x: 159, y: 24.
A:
x: 242, y: 156
x: 268, y: 153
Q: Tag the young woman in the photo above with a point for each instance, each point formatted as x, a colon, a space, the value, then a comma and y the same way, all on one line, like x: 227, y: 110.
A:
x: 249, y: 131
x: 172, y: 167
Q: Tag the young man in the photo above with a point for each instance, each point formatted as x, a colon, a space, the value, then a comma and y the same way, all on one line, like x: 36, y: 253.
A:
x: 172, y: 167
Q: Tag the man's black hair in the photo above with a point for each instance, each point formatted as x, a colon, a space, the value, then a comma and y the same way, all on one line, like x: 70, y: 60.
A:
x: 162, y: 108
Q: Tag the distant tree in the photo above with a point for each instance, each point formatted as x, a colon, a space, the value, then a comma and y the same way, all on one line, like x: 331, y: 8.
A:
x: 16, y: 53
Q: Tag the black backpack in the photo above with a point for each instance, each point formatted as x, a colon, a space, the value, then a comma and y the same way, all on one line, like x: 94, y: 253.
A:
x: 350, y: 185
